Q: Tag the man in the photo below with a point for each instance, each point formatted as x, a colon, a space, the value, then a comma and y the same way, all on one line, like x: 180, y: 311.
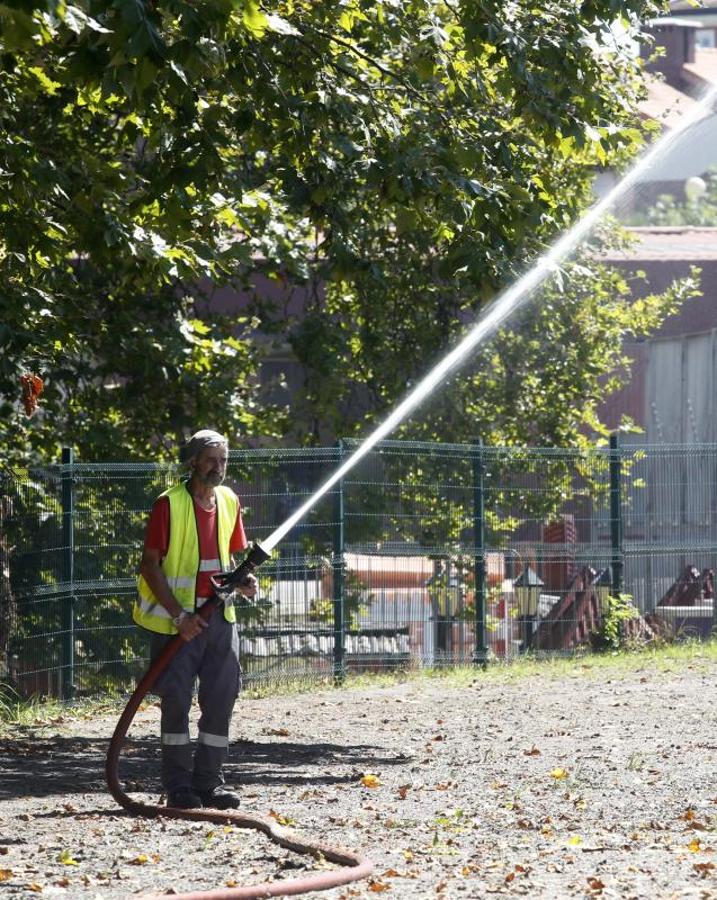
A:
x: 193, y: 529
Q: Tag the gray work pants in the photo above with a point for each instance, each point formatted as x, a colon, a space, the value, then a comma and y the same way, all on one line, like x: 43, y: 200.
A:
x: 213, y: 657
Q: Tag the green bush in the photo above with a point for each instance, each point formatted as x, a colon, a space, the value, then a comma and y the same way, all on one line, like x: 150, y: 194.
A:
x: 610, y: 635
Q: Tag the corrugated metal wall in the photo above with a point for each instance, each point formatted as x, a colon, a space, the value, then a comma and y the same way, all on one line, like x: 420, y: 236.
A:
x: 680, y: 401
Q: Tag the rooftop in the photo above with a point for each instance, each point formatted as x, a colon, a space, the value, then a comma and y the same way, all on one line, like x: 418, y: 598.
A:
x: 688, y: 6
x: 666, y: 243
x: 664, y: 103
x: 674, y: 22
x: 705, y: 64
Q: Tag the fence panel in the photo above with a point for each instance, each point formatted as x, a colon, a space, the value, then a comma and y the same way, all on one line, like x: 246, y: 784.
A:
x: 400, y: 565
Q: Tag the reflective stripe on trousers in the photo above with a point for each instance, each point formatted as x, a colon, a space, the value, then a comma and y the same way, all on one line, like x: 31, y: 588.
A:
x: 213, y: 740
x: 175, y: 740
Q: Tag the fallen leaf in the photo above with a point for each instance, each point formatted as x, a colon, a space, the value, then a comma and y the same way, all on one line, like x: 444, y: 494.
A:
x: 575, y: 840
x: 279, y: 732
x: 695, y: 845
x: 63, y: 882
x: 282, y: 820
x: 67, y: 859
x: 703, y: 868
x: 509, y: 877
x: 6, y: 874
x: 378, y: 887
x: 35, y: 887
x: 231, y: 883
x: 370, y: 781
x: 559, y: 774
x: 139, y: 860
x: 403, y: 790
x: 532, y: 752
x: 596, y: 885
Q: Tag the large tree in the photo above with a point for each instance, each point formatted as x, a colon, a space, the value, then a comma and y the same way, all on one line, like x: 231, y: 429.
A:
x: 402, y: 160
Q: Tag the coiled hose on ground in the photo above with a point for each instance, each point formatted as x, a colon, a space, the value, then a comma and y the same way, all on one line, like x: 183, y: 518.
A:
x: 354, y: 866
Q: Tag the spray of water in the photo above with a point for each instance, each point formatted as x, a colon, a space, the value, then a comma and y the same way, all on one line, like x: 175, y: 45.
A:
x: 504, y: 305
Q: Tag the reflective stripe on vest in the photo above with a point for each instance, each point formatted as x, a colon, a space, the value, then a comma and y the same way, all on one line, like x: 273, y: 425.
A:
x: 182, y: 565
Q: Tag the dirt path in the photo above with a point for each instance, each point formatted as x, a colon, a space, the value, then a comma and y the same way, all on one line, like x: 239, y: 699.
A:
x: 588, y: 784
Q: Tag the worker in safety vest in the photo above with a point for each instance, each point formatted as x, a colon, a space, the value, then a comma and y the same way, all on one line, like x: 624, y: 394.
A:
x: 193, y: 529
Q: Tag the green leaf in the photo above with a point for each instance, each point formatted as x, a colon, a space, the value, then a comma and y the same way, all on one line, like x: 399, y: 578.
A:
x: 255, y: 21
x: 67, y: 859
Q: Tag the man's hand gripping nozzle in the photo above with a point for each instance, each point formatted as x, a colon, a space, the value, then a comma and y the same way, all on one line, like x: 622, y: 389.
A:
x: 226, y: 582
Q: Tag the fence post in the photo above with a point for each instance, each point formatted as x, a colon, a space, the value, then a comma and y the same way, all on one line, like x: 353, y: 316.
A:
x: 338, y: 571
x: 68, y: 573
x: 480, y: 651
x: 616, y: 515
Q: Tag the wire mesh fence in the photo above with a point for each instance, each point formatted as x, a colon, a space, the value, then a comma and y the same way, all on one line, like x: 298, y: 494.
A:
x: 423, y: 555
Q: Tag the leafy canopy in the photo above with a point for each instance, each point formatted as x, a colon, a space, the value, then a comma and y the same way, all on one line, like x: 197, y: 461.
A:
x: 399, y: 160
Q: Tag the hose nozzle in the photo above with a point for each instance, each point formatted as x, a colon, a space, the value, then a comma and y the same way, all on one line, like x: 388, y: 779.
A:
x: 226, y: 582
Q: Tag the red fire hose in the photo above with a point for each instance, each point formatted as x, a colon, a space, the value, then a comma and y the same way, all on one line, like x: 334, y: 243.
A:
x: 354, y: 866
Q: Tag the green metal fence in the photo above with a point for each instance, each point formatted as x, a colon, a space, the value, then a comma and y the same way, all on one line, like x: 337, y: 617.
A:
x: 425, y: 554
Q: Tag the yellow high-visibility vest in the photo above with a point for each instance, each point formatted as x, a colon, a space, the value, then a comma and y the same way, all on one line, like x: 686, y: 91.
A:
x: 181, y: 565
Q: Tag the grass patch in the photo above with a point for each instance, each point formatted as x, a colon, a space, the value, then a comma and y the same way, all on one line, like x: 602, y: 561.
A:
x: 16, y: 711
x: 286, y: 685
x: 665, y: 658
x: 37, y: 713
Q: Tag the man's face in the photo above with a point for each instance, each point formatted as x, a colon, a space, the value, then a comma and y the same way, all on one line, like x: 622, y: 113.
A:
x: 210, y: 466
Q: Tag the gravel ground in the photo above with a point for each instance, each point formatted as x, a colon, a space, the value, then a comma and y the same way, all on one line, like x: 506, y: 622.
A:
x: 593, y: 782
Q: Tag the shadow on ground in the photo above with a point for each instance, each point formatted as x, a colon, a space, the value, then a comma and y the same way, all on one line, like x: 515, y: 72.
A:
x: 46, y: 766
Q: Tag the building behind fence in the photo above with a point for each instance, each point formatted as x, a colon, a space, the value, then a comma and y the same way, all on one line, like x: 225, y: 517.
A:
x: 424, y: 555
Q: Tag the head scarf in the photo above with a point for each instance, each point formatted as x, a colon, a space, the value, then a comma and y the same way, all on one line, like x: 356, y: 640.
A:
x: 198, y: 441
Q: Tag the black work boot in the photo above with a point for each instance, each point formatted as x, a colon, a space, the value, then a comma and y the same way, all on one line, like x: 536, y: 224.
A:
x: 219, y: 798
x: 184, y: 798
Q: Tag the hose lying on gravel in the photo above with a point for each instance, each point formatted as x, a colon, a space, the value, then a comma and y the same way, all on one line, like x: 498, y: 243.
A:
x: 355, y: 867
